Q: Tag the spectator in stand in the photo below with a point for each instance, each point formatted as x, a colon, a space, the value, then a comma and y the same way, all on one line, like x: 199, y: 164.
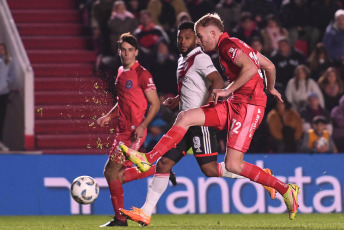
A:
x: 161, y: 123
x: 334, y: 39
x: 164, y: 12
x: 332, y: 87
x: 164, y: 70
x: 271, y: 33
x: 259, y: 9
x: 199, y: 8
x: 135, y: 7
x: 322, y: 12
x: 295, y: 16
x: 285, y: 126
x: 318, y: 139
x: 319, y: 61
x: 6, y: 80
x: 148, y: 34
x: 121, y: 21
x: 312, y: 109
x: 229, y: 11
x: 247, y: 28
x: 337, y: 116
x: 286, y: 59
x: 100, y: 14
x: 300, y: 86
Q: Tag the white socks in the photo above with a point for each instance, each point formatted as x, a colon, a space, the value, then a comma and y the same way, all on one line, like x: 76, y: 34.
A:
x: 155, y: 190
x: 224, y: 173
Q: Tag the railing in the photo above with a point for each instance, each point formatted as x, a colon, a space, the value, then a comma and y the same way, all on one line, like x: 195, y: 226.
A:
x: 9, y: 34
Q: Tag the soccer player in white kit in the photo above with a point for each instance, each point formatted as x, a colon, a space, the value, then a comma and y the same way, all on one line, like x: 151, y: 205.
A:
x: 196, y: 77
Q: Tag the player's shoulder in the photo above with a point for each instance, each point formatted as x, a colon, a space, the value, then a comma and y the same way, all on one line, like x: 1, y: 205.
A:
x: 142, y: 71
x: 202, y: 58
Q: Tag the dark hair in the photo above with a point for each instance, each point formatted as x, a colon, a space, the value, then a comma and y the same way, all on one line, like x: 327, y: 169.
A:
x: 127, y: 37
x: 245, y: 15
x: 142, y: 12
x: 186, y: 25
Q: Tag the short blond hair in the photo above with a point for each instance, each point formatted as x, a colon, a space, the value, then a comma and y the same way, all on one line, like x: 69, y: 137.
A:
x: 210, y: 19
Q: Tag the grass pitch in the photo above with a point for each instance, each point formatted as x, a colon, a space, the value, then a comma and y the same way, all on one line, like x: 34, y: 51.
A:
x: 185, y: 222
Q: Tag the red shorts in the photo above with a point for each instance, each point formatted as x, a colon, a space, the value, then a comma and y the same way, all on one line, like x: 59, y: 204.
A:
x: 241, y: 120
x: 126, y: 137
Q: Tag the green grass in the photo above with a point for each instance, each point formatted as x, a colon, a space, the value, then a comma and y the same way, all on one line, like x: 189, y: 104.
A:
x: 185, y: 222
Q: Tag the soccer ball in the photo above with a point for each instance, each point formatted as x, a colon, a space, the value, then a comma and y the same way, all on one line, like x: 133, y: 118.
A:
x: 84, y: 190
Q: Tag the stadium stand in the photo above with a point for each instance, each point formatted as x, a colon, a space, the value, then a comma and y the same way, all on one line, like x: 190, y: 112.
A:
x: 68, y: 96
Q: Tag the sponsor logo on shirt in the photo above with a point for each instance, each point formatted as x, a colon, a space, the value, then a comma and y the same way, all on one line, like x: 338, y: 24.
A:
x: 128, y: 84
x: 232, y: 51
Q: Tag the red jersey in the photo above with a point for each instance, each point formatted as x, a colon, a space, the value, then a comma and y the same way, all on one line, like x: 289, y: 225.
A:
x: 253, y: 91
x: 131, y: 86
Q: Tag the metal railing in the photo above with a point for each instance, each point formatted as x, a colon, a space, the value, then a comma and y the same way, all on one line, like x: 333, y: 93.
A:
x: 9, y: 34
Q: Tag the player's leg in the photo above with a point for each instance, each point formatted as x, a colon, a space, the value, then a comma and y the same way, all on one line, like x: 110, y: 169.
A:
x: 234, y: 163
x: 184, y: 120
x: 113, y: 172
x: 244, y: 119
x: 158, y: 185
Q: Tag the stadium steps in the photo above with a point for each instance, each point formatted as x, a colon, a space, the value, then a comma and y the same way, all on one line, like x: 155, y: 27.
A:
x: 59, y: 29
x: 69, y: 97
x: 67, y: 56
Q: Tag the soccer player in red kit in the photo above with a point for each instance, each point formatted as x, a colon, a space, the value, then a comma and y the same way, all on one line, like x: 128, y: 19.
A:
x: 241, y: 113
x: 135, y: 88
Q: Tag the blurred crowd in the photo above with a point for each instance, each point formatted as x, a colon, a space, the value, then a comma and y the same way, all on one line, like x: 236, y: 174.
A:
x: 303, y: 38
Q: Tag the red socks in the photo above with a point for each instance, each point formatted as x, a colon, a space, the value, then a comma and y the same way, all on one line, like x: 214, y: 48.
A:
x: 131, y: 174
x: 256, y: 174
x: 168, y: 141
x: 117, y: 194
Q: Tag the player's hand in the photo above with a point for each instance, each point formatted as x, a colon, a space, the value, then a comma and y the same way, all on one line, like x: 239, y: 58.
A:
x: 275, y: 93
x: 171, y: 102
x: 216, y: 93
x: 103, y: 120
x: 139, y: 133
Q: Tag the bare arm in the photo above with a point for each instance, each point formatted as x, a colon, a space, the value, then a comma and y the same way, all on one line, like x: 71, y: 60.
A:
x: 108, y: 117
x: 153, y: 100
x: 216, y: 82
x: 270, y: 72
x: 248, y: 70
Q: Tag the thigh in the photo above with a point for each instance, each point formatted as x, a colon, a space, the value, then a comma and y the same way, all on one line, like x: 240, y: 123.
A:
x: 216, y: 115
x: 204, y: 144
x: 243, y: 120
x: 116, y: 154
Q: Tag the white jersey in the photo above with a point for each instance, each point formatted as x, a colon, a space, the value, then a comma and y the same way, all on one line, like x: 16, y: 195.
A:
x: 193, y: 85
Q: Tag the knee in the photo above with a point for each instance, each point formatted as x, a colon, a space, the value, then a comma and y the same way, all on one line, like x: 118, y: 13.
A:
x: 181, y: 116
x: 111, y: 174
x: 163, y: 165
x: 233, y: 167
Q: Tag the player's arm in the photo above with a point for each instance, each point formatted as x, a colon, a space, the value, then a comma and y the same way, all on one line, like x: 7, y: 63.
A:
x: 216, y: 82
x: 270, y: 72
x: 153, y: 100
x: 108, y: 117
x: 172, y: 102
x: 248, y: 70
